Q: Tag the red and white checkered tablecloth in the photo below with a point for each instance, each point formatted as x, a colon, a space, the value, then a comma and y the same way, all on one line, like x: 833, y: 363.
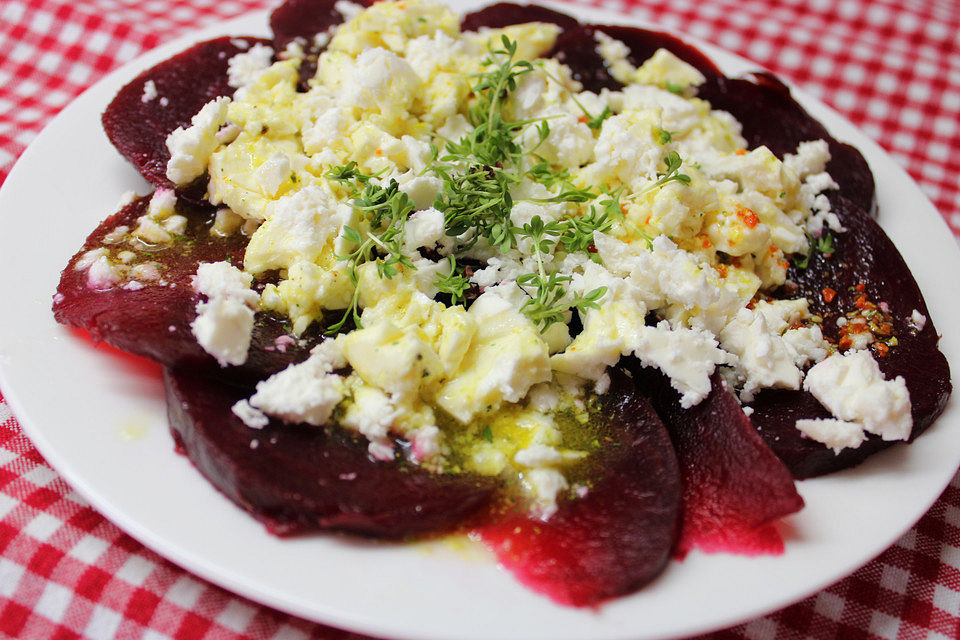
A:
x: 890, y: 66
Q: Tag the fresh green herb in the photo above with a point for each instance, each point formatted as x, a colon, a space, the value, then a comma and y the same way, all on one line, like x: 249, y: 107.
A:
x: 386, y: 210
x: 594, y: 122
x: 549, y: 301
x: 664, y: 136
x: 823, y: 244
x: 455, y: 283
x: 673, y: 162
x: 673, y: 87
x: 487, y: 433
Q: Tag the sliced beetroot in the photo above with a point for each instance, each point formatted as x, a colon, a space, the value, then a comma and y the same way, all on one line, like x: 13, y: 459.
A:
x: 734, y: 487
x: 153, y: 320
x: 643, y: 43
x: 619, y: 535
x: 304, y: 19
x: 183, y: 83
x: 771, y: 117
x: 864, y: 257
x: 504, y: 14
x: 301, y: 478
x: 577, y: 48
x: 301, y: 20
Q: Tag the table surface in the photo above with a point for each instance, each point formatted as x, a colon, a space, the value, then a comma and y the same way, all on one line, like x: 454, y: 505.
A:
x: 892, y: 67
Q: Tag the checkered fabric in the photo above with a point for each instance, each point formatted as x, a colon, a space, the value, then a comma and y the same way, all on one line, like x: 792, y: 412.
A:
x: 892, y: 67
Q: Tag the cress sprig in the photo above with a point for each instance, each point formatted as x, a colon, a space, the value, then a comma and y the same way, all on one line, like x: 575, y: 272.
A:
x: 386, y: 210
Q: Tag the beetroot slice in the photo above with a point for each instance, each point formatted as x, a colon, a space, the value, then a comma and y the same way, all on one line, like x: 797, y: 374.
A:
x: 300, y: 478
x: 304, y: 19
x: 184, y: 83
x: 154, y: 321
x: 771, y: 117
x: 643, y: 43
x: 618, y: 537
x: 863, y: 255
x: 734, y: 487
x: 504, y: 14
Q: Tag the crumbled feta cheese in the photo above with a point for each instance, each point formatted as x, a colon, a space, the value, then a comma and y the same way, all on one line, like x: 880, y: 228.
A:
x: 836, y: 434
x: 764, y: 360
x: 190, y: 148
x: 305, y: 392
x: 271, y: 175
x: 425, y: 229
x: 349, y: 10
x: 244, y: 68
x: 225, y: 223
x: 422, y: 190
x: 917, y: 320
x: 537, y: 455
x: 102, y: 274
x: 544, y: 485
x: 224, y: 322
x: 852, y: 387
x: 149, y: 91
x: 252, y: 417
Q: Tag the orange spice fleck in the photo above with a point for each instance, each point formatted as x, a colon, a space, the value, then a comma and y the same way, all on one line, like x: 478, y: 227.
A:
x: 862, y: 287
x: 582, y: 119
x: 722, y: 270
x: 705, y: 242
x: 748, y: 216
x: 828, y: 295
x: 845, y: 342
x: 881, y: 349
x: 741, y: 152
x: 861, y: 301
x: 379, y: 152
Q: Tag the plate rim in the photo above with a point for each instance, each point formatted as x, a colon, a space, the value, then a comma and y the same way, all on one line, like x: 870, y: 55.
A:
x: 234, y: 583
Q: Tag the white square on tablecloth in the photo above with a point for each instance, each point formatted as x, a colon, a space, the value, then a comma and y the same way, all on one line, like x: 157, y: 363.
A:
x: 53, y: 602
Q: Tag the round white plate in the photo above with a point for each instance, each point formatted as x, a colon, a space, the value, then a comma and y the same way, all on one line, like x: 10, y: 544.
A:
x: 98, y: 418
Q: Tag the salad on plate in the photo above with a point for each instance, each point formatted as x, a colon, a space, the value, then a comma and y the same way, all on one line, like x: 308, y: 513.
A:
x: 563, y: 286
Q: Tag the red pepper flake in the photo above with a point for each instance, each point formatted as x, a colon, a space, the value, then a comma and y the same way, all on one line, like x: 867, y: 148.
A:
x: 582, y: 119
x: 861, y: 301
x: 705, y: 242
x: 741, y: 152
x: 881, y: 349
x: 748, y: 216
x: 828, y: 295
x: 862, y: 287
x: 591, y: 248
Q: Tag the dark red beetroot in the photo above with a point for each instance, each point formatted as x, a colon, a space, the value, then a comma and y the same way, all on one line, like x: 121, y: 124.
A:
x: 734, y: 487
x: 863, y: 256
x: 184, y: 83
x: 303, y: 19
x: 771, y: 117
x: 504, y: 14
x: 577, y: 45
x: 616, y: 538
x: 301, y: 478
x: 155, y: 321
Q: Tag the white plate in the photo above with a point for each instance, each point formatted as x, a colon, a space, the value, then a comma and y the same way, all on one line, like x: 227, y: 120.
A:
x: 99, y: 420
